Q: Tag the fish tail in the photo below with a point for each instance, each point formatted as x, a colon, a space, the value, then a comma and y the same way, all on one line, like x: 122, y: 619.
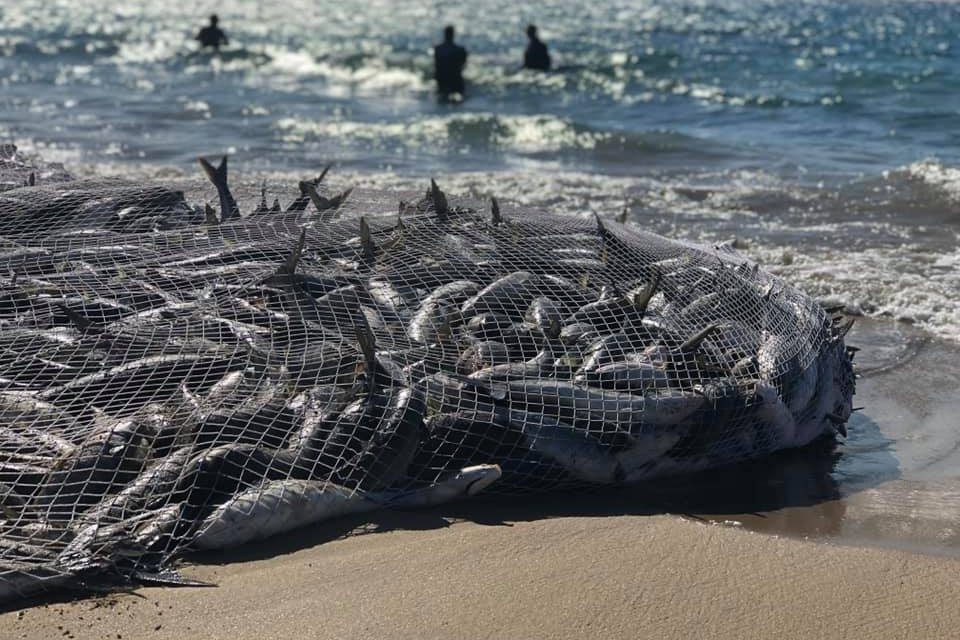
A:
x: 218, y: 176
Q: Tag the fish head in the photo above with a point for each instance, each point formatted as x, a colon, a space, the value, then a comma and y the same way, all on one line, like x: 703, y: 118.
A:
x: 477, y: 478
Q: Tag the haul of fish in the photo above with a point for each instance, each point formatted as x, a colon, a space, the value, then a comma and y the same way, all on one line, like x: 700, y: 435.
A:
x: 178, y: 377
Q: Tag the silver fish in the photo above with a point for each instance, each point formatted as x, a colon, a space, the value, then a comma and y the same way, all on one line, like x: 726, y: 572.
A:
x: 282, y: 505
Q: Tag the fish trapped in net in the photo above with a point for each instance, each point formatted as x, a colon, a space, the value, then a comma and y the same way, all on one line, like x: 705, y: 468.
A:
x: 179, y: 377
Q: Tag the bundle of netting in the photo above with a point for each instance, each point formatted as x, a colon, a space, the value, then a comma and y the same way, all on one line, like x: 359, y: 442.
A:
x: 178, y: 376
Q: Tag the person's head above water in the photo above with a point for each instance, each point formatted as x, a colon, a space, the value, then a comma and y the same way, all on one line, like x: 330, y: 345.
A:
x: 214, y: 20
x: 448, y: 33
x: 532, y: 32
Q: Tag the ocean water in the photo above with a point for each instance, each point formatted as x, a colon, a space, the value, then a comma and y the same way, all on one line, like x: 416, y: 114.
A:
x: 823, y: 136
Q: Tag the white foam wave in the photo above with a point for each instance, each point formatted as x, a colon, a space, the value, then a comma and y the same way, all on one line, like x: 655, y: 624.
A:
x: 299, y: 64
x: 147, y: 42
x: 936, y: 174
x: 902, y: 283
x: 523, y: 134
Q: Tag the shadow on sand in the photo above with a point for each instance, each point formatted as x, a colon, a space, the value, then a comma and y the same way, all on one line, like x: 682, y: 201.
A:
x: 793, y: 493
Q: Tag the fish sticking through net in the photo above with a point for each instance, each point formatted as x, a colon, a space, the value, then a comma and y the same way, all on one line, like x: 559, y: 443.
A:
x: 177, y: 376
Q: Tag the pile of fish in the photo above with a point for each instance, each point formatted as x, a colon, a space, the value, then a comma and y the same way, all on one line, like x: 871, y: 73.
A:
x: 178, y: 377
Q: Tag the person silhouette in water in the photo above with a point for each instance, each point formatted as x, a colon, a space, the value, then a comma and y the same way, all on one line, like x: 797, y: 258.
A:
x: 449, y: 59
x: 536, y: 56
x: 212, y: 35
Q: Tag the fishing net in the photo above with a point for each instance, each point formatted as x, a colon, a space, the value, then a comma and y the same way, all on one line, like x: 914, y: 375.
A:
x: 176, y: 376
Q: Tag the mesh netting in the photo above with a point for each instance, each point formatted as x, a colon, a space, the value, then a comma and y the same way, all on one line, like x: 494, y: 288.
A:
x: 179, y: 377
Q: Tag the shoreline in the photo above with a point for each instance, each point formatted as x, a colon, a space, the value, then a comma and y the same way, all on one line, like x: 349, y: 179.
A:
x: 616, y: 566
x: 624, y: 576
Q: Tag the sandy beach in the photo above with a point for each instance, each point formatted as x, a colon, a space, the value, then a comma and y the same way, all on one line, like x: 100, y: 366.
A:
x: 567, y: 577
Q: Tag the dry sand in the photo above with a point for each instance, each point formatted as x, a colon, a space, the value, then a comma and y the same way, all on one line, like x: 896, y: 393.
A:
x: 615, y: 576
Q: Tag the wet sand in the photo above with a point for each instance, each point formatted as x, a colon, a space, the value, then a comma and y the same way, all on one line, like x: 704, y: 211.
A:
x: 895, y: 480
x: 627, y: 576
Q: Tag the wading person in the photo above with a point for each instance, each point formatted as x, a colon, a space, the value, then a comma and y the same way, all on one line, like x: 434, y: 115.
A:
x: 212, y: 35
x: 536, y: 56
x: 449, y: 59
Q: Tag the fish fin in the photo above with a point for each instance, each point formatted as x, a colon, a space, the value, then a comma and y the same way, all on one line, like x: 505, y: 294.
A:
x: 262, y: 207
x: 601, y: 228
x: 300, y: 202
x: 215, y: 174
x: 276, y: 206
x: 218, y: 176
x: 341, y: 197
x: 290, y: 266
x: 622, y: 217
x: 321, y: 203
x: 326, y: 204
x: 642, y: 300
x: 495, y: 216
x: 439, y: 201
x: 366, y: 242
x: 693, y: 342
x: 323, y: 174
x: 368, y: 348
x: 32, y: 179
